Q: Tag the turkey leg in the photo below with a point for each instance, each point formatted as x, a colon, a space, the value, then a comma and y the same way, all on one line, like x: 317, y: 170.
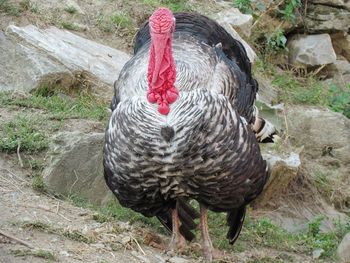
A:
x: 207, y: 246
x: 177, y: 242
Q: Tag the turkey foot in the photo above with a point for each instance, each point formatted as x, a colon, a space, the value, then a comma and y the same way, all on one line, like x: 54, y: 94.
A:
x: 177, y: 242
x: 208, y: 251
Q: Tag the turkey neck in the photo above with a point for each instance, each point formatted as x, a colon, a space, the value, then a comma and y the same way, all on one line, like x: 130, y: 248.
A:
x: 161, y: 69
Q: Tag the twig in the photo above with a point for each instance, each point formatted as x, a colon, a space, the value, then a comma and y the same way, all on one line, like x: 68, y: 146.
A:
x: 267, y: 10
x: 76, y: 180
x: 19, y: 156
x: 58, y: 207
x: 16, y: 239
x: 138, y: 245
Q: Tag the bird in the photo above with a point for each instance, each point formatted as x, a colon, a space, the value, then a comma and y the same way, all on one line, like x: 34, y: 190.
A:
x: 184, y: 127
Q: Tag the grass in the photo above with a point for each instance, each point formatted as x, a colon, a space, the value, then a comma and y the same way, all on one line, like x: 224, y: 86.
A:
x: 9, y: 8
x: 60, y: 106
x: 70, y: 9
x: 120, y: 20
x: 35, y: 253
x: 173, y: 5
x: 22, y: 132
x: 255, y: 233
x: 74, y: 235
x: 308, y: 90
x: 70, y: 26
x: 38, y: 183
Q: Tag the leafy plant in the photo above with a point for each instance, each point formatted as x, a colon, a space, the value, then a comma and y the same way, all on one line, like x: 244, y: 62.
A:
x: 289, y: 9
x: 245, y: 6
x: 339, y: 100
x: 276, y: 41
x: 70, y: 9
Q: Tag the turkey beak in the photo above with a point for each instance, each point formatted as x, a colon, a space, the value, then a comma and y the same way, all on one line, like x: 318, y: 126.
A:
x: 159, y: 44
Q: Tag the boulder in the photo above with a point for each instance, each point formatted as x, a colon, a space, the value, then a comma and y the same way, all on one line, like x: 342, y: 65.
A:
x: 315, y: 129
x: 311, y: 50
x: 344, y: 249
x: 339, y: 71
x: 236, y: 19
x: 327, y: 17
x: 284, y: 169
x: 341, y: 44
x: 250, y: 52
x: 35, y: 56
x: 74, y: 167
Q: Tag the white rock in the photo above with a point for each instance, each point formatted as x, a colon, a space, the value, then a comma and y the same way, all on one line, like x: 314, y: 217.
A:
x: 178, y: 260
x: 311, y: 50
x: 31, y: 54
x: 236, y: 19
x: 317, y: 253
x: 344, y: 249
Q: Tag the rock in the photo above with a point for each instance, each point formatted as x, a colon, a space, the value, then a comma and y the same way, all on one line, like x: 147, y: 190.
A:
x: 284, y: 168
x: 178, y: 260
x: 236, y: 19
x: 337, y: 3
x: 250, y: 52
x: 340, y: 71
x: 34, y: 57
x: 311, y: 50
x: 74, y: 166
x: 317, y: 253
x: 341, y: 44
x: 344, y: 249
x: 327, y: 17
x: 315, y: 130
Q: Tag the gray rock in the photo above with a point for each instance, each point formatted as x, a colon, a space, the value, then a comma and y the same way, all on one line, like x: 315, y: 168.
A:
x: 327, y: 18
x: 178, y: 260
x: 311, y: 50
x: 35, y: 56
x: 236, y: 19
x: 250, y: 52
x: 340, y: 71
x: 284, y: 168
x: 341, y: 44
x: 74, y: 166
x: 344, y: 249
x: 317, y: 130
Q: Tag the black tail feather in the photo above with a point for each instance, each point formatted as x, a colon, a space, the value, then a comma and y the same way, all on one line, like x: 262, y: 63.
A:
x: 187, y: 215
x: 235, y: 221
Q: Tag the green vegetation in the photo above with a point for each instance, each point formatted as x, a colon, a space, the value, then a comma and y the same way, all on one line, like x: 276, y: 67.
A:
x: 22, y: 132
x: 70, y: 26
x: 70, y: 9
x: 122, y: 20
x: 289, y: 9
x: 74, y: 235
x: 276, y: 41
x: 38, y: 183
x: 35, y: 253
x: 173, y: 5
x: 9, y: 8
x: 245, y: 6
x: 58, y: 105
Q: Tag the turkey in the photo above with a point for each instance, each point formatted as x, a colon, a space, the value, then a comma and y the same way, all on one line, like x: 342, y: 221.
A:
x: 184, y: 127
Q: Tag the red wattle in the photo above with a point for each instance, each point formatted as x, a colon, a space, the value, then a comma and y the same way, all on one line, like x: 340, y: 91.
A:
x: 163, y: 108
x: 171, y: 95
x: 151, y: 97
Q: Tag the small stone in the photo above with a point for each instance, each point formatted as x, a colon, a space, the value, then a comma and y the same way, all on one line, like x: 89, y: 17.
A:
x: 178, y: 260
x: 317, y: 253
x: 344, y: 249
x: 125, y: 240
x: 64, y: 253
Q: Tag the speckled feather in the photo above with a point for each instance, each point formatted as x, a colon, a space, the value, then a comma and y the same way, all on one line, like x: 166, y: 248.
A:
x: 213, y: 155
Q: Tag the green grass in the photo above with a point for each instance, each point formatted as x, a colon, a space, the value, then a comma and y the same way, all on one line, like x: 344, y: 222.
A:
x: 70, y: 26
x: 22, y: 131
x: 60, y: 106
x: 38, y: 183
x: 39, y: 253
x: 255, y: 234
x: 173, y: 5
x: 122, y: 20
x: 9, y: 8
x: 70, y: 9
